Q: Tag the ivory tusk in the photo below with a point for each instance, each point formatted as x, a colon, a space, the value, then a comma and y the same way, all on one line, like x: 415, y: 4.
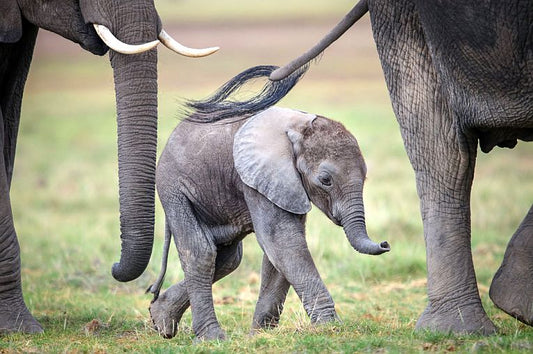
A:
x: 112, y: 42
x: 173, y: 45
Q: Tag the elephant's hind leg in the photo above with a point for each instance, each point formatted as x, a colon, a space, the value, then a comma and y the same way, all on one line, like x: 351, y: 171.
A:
x: 274, y: 288
x: 512, y: 287
x: 167, y: 310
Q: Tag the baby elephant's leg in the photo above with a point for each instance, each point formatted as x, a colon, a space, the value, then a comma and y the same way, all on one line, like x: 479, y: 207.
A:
x: 274, y: 288
x: 281, y: 235
x: 167, y: 310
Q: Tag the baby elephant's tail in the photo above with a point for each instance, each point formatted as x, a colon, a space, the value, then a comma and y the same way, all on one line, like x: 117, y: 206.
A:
x: 224, y: 103
x: 155, y: 288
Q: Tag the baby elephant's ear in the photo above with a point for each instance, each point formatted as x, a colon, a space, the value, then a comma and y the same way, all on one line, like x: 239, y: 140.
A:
x: 10, y: 21
x: 264, y: 157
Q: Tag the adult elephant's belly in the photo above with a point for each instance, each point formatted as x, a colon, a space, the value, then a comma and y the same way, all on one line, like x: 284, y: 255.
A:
x: 503, y: 137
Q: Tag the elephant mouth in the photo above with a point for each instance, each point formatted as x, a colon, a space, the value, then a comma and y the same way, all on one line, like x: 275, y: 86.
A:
x: 336, y: 220
x: 92, y: 42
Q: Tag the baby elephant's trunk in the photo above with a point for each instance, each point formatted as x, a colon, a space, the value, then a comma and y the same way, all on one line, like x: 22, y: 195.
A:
x: 355, y: 229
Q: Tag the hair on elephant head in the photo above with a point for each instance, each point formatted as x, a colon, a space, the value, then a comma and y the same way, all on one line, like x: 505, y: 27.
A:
x: 131, y: 28
x: 222, y: 179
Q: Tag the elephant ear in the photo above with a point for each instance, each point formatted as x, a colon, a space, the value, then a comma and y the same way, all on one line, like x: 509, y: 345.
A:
x: 10, y: 22
x: 264, y: 157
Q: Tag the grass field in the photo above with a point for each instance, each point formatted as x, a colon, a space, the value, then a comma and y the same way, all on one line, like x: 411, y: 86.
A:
x: 65, y: 197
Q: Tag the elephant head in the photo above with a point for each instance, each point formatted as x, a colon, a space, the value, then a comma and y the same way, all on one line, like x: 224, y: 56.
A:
x: 294, y: 158
x: 131, y: 29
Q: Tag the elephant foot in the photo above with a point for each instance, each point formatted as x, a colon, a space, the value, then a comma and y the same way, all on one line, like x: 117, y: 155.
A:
x: 18, y: 321
x: 324, y: 317
x: 213, y: 332
x: 512, y: 292
x: 514, y: 297
x: 167, y: 310
x: 470, y: 319
x: 265, y: 321
x: 512, y: 287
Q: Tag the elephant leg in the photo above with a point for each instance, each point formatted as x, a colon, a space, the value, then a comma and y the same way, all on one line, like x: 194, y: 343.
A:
x: 167, y: 310
x: 512, y: 287
x: 442, y: 150
x: 14, y: 315
x: 281, y: 235
x: 444, y: 186
x: 274, y: 288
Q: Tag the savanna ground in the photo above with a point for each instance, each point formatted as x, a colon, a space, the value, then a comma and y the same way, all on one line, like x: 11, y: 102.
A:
x: 65, y: 196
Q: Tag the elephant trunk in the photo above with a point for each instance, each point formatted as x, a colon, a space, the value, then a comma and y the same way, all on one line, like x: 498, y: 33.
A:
x: 136, y: 98
x: 355, y: 228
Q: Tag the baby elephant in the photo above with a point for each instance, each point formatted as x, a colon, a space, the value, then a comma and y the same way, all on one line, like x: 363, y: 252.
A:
x: 220, y: 181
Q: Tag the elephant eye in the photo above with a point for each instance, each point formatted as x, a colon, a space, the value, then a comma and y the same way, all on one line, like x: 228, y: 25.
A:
x: 325, y: 179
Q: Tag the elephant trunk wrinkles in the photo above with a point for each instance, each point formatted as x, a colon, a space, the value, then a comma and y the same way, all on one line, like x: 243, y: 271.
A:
x: 355, y: 228
x: 136, y: 98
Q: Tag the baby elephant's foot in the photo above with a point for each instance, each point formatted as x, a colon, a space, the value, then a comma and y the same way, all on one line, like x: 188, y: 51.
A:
x: 163, y: 321
x: 324, y: 317
x: 265, y: 321
x: 167, y: 310
x: 213, y: 332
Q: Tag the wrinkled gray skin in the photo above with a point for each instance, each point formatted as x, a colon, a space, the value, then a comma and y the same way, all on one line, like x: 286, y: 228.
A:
x: 219, y: 182
x: 459, y: 73
x: 133, y: 22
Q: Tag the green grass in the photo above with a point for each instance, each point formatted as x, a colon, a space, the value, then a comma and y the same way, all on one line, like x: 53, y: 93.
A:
x: 65, y: 202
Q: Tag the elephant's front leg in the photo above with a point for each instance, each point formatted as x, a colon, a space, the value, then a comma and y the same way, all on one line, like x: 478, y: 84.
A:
x: 512, y: 286
x: 281, y: 235
x: 274, y: 288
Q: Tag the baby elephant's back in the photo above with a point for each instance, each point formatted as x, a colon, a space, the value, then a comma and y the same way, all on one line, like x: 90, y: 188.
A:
x: 198, y: 156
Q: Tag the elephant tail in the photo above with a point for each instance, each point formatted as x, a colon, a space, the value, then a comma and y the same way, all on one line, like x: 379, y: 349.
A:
x: 224, y: 103
x: 155, y: 288
x: 351, y: 17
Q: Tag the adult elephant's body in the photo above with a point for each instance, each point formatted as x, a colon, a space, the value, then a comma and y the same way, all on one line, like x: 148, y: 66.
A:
x: 458, y: 73
x: 133, y: 22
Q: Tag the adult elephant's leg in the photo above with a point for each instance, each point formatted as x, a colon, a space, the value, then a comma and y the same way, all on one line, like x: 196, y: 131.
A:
x: 453, y: 298
x: 274, y: 288
x: 16, y: 58
x: 167, y: 310
x: 14, y: 315
x: 442, y: 154
x: 512, y: 286
x: 281, y: 235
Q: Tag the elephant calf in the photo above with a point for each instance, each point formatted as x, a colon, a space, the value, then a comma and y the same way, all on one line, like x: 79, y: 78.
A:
x: 259, y: 173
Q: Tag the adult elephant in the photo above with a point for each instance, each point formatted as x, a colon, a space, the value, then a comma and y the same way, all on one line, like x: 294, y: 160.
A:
x: 459, y: 73
x: 134, y: 64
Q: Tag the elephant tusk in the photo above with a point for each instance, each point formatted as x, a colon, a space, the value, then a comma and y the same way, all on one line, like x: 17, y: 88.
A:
x: 112, y: 42
x: 173, y: 45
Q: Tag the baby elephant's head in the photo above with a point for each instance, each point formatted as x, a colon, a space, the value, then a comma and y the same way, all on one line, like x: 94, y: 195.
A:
x: 294, y: 158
